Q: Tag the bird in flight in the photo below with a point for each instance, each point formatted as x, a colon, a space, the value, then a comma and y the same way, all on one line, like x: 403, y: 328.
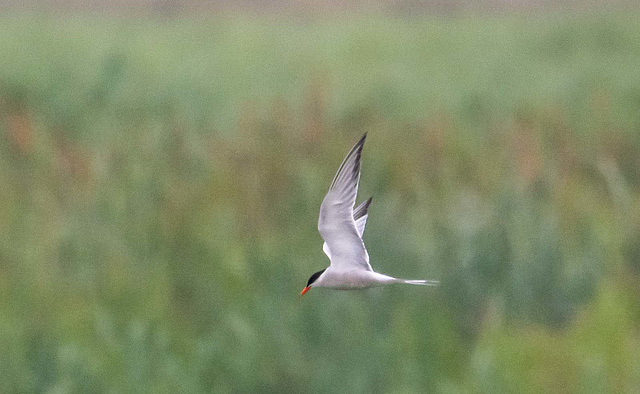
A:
x: 342, y: 227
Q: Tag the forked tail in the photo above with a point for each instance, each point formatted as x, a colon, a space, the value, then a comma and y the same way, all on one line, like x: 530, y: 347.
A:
x: 419, y: 282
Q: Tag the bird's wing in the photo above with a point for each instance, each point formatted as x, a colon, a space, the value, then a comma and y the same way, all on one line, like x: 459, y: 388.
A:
x: 360, y: 215
x: 336, y: 223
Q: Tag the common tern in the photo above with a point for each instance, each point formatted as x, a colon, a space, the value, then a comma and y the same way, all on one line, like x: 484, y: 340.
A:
x: 342, y: 227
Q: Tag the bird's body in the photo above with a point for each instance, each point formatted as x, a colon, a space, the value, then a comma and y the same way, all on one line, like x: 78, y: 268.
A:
x: 342, y: 227
x: 352, y: 279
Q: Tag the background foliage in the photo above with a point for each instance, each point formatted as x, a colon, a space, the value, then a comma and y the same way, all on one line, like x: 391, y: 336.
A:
x: 161, y: 180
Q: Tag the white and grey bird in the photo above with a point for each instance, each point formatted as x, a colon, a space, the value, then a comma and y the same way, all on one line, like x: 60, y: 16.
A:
x: 342, y: 227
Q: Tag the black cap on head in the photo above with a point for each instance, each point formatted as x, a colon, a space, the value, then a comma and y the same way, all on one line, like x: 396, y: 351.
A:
x: 314, y: 277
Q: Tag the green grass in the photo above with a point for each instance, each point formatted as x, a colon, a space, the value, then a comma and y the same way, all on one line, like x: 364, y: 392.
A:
x: 160, y: 182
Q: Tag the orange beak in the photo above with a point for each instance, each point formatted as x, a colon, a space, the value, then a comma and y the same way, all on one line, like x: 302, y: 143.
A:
x: 305, y: 290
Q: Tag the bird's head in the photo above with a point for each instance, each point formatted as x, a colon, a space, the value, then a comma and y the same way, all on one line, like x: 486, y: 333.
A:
x: 311, y: 281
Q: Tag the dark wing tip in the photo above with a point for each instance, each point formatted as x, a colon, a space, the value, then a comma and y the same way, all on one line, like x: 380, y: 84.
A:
x: 356, y: 154
x: 362, y: 209
x: 364, y: 137
x: 360, y: 144
x: 367, y: 203
x: 357, y: 150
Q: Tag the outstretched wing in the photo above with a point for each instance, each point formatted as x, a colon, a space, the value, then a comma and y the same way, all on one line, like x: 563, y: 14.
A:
x: 360, y: 215
x: 336, y: 223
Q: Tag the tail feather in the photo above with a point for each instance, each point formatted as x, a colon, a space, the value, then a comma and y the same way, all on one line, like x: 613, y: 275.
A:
x: 420, y: 282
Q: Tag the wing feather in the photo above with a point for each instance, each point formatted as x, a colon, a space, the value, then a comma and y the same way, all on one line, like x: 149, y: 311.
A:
x: 336, y: 223
x: 360, y: 215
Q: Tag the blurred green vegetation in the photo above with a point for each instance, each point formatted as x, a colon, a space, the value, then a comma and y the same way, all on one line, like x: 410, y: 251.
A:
x: 160, y: 182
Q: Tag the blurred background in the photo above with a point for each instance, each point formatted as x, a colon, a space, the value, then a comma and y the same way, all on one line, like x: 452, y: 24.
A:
x: 162, y: 165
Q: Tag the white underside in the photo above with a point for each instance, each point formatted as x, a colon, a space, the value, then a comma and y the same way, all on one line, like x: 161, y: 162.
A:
x: 360, y: 279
